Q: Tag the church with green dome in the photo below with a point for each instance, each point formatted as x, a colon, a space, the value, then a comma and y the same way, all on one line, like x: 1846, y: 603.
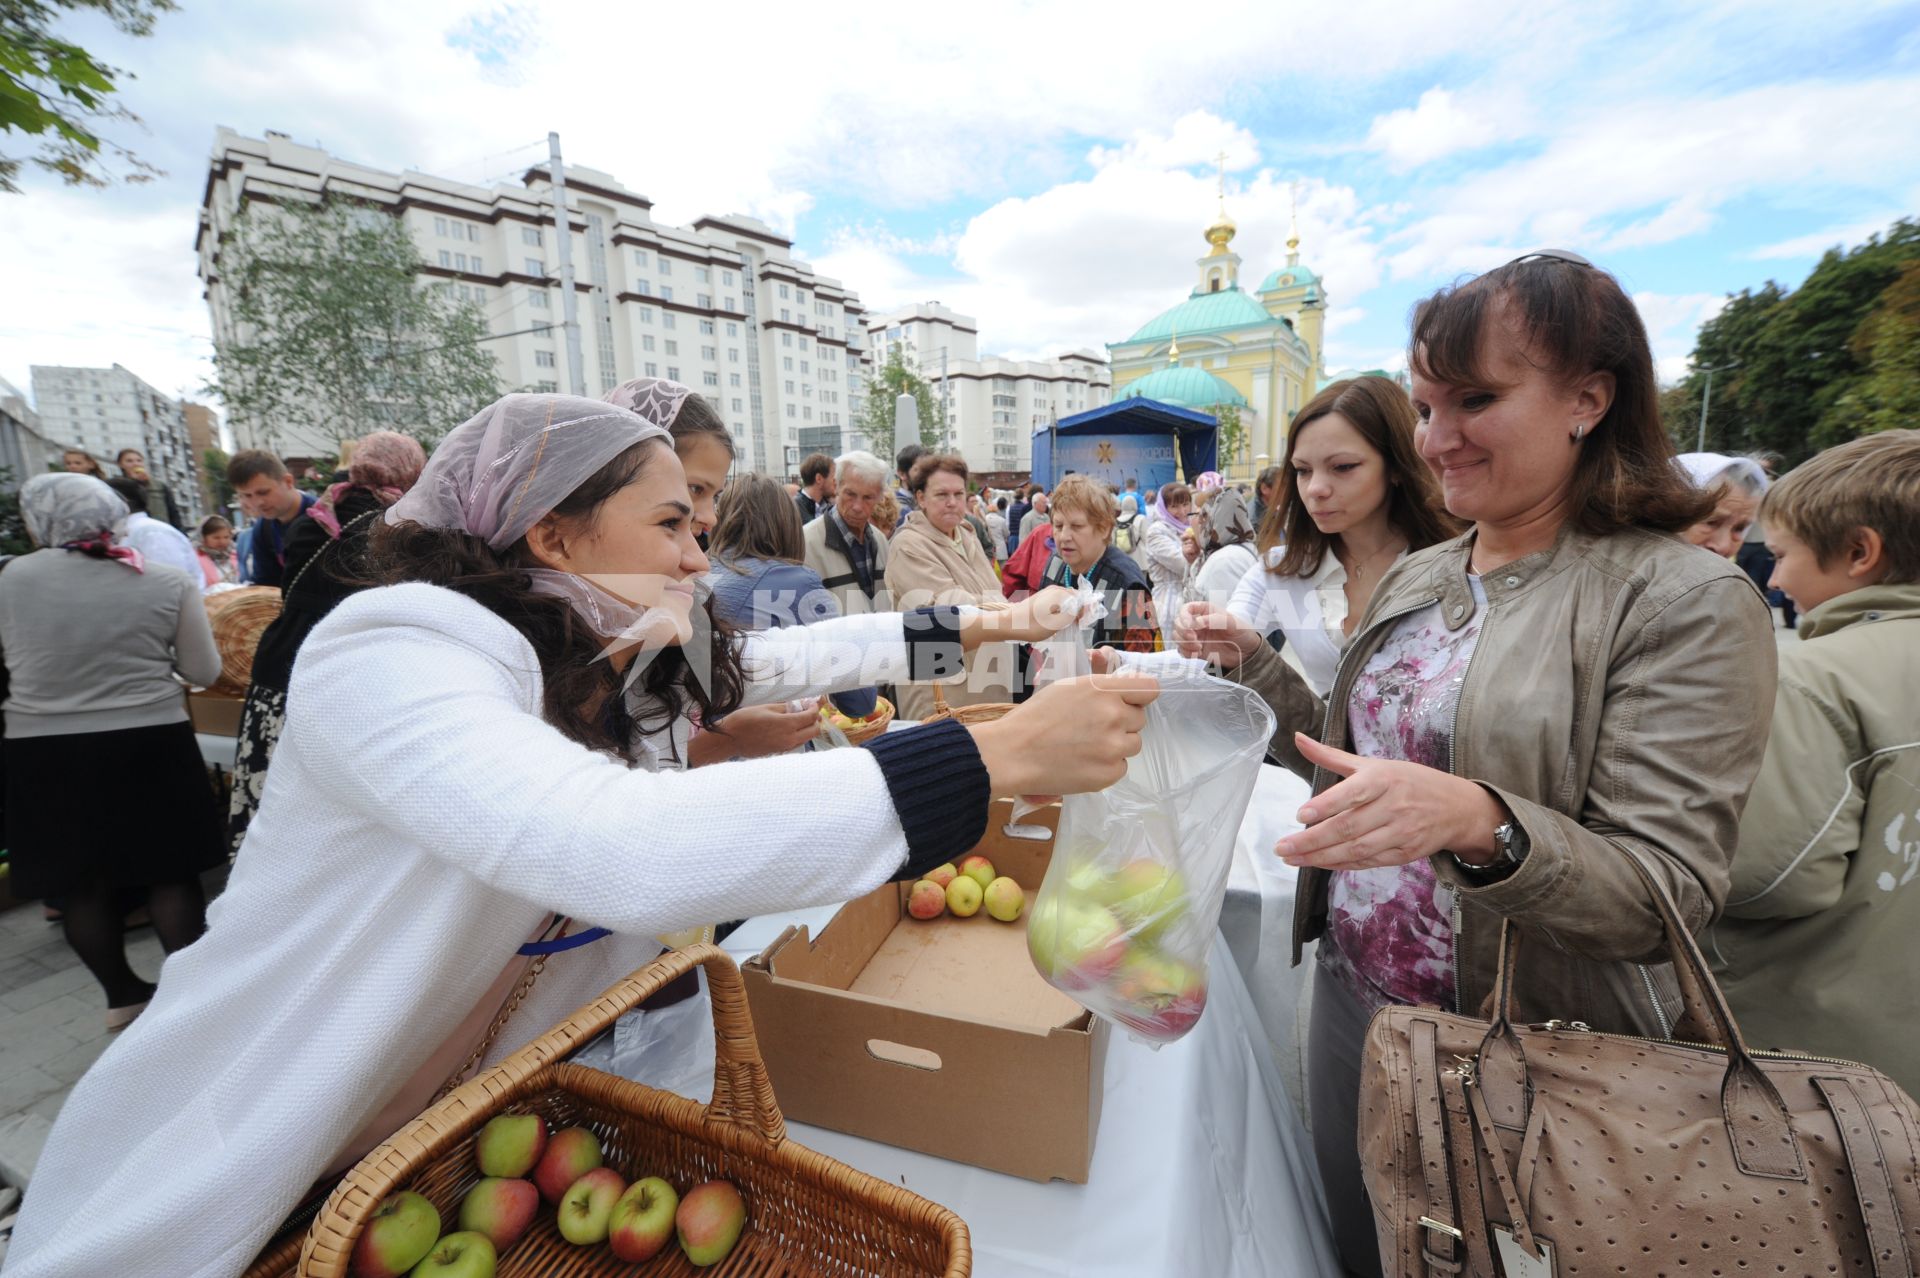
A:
x: 1259, y: 352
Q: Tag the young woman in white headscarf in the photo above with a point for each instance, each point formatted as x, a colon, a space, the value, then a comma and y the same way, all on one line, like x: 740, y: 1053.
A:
x: 498, y: 762
x: 105, y: 790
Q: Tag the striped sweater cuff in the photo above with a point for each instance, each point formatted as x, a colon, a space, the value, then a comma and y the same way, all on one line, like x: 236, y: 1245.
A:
x: 939, y: 788
x: 933, y: 644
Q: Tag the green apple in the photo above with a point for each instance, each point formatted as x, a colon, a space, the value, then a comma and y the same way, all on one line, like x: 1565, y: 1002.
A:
x: 1074, y: 944
x: 586, y: 1209
x: 963, y: 897
x: 642, y: 1220
x: 1148, y: 898
x: 462, y: 1255
x: 570, y: 1155
x: 510, y: 1145
x: 501, y: 1209
x: 402, y: 1229
x: 977, y: 868
x: 1005, y: 899
x: 944, y: 875
x: 1162, y: 998
x: 709, y: 1221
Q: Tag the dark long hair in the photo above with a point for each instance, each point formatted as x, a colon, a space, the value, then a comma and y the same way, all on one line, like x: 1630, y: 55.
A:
x: 580, y: 694
x: 1384, y: 416
x: 1573, y: 319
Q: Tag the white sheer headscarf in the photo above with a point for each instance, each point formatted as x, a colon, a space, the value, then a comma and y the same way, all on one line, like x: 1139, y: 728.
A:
x: 70, y: 510
x: 1708, y: 469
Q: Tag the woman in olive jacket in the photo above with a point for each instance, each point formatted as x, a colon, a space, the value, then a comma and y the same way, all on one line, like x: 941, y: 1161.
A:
x: 1521, y: 708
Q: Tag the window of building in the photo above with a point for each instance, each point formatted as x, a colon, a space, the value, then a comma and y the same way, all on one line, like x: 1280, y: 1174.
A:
x: 543, y: 359
x: 709, y: 352
x: 643, y: 288
x: 711, y: 379
x: 439, y: 226
x: 736, y: 402
x: 791, y: 412
x: 803, y: 345
x: 550, y: 388
x: 653, y: 369
x: 646, y: 315
x: 473, y: 232
x: 477, y: 268
x: 446, y: 257
x: 733, y: 379
x: 536, y: 268
x: 543, y: 330
x: 733, y: 354
x: 666, y: 292
x: 786, y: 339
x: 728, y: 305
x: 673, y: 347
x: 667, y: 320
x: 640, y: 257
x: 706, y: 327
x: 701, y: 275
x: 726, y: 277
x: 786, y: 362
x: 789, y: 386
x: 673, y: 373
x: 531, y: 235
x: 646, y: 341
x: 733, y: 329
x: 459, y: 261
x: 784, y: 294
x: 704, y: 299
x: 666, y: 265
x: 806, y: 412
x: 804, y: 368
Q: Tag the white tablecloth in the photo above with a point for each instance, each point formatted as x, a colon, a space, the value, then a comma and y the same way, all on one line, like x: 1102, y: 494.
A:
x: 1200, y: 1165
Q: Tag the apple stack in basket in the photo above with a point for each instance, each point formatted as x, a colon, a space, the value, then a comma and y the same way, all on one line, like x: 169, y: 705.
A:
x: 522, y: 1165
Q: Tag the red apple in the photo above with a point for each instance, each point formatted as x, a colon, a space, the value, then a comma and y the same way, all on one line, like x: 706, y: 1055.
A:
x: 586, y: 1209
x: 462, y: 1255
x: 510, y: 1145
x: 500, y: 1209
x: 1005, y: 899
x: 401, y: 1230
x: 570, y: 1155
x: 643, y: 1220
x: 977, y: 868
x: 927, y: 900
x: 1162, y: 997
x: 1074, y: 944
x: 709, y: 1222
x: 944, y: 875
x: 963, y: 897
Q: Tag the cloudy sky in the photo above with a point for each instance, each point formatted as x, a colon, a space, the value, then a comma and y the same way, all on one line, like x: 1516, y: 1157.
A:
x: 1044, y: 167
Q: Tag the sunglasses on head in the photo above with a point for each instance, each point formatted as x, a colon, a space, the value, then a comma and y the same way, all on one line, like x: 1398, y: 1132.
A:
x: 1551, y: 255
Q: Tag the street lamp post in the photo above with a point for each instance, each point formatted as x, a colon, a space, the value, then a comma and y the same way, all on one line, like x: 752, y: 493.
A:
x: 1706, y: 397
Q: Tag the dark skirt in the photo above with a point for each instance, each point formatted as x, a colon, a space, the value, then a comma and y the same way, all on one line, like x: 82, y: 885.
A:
x: 108, y: 810
x: 262, y: 716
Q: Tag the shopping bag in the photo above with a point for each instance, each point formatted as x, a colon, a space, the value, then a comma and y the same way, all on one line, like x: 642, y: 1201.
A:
x: 1125, y: 918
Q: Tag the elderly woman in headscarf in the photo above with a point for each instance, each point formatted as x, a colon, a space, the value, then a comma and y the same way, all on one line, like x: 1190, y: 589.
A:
x: 1226, y: 533
x: 325, y: 563
x: 494, y: 751
x: 1737, y: 485
x: 1167, y: 551
x: 105, y: 790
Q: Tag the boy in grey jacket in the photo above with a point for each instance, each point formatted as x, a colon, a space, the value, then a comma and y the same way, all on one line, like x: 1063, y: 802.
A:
x: 1820, y: 942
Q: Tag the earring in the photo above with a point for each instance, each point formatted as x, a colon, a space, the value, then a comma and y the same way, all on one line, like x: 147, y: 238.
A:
x: 1577, y: 433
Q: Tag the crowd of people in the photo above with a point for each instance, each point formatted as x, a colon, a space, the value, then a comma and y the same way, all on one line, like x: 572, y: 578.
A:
x: 570, y: 667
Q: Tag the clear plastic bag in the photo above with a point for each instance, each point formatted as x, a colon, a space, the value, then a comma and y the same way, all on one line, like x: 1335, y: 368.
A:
x: 1125, y: 918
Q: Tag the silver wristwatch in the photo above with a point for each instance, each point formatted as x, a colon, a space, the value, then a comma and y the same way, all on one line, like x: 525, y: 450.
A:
x: 1510, y: 847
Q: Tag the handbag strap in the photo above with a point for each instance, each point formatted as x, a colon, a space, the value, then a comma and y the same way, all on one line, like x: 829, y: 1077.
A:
x: 1495, y: 1155
x: 1439, y: 1223
x: 1872, y: 1182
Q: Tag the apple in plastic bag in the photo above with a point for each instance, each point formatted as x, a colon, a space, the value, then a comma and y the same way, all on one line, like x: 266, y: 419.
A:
x: 1074, y: 944
x: 1159, y: 997
x: 1148, y: 898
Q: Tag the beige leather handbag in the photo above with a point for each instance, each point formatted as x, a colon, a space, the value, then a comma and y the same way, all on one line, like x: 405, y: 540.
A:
x: 1526, y: 1151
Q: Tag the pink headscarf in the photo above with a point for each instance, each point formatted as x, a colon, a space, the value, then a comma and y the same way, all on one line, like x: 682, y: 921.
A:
x: 385, y: 463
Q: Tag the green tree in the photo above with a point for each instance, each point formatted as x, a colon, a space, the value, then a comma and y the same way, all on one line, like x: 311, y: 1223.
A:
x: 213, y: 464
x: 1887, y: 344
x: 333, y: 333
x: 894, y: 380
x: 1793, y: 373
x: 1232, y: 435
x: 55, y: 92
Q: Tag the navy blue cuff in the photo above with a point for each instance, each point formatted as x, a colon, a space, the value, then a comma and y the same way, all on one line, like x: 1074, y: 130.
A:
x: 933, y: 644
x: 939, y: 787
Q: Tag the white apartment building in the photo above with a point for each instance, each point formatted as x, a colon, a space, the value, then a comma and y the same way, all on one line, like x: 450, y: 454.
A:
x: 104, y: 410
x: 25, y: 450
x: 722, y: 305
x: 992, y: 405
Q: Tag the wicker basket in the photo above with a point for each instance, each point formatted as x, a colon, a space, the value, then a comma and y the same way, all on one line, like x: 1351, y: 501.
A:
x: 985, y: 712
x: 873, y: 725
x: 239, y: 618
x: 806, y: 1213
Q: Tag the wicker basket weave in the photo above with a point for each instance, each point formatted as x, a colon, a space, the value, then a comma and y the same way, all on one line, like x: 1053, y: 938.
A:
x: 873, y: 725
x: 239, y: 618
x: 806, y: 1213
x: 985, y: 712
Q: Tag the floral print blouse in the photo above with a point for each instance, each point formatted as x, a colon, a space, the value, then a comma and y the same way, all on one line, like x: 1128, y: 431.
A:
x: 1390, y: 929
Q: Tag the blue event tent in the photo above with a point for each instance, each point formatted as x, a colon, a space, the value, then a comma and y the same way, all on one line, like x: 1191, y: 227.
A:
x: 1139, y: 439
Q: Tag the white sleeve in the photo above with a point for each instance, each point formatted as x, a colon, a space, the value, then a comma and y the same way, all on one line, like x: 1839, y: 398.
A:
x: 835, y: 655
x: 427, y: 735
x: 1252, y: 599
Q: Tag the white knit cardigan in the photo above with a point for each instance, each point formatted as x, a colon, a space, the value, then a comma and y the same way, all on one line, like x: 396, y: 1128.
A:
x: 419, y: 822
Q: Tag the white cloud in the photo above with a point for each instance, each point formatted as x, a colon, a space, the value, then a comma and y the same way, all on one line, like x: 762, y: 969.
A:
x: 1198, y: 138
x: 1440, y: 124
x: 1818, y: 242
x: 1673, y: 321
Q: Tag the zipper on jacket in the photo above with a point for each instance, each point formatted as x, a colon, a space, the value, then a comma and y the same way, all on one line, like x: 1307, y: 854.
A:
x: 1653, y: 997
x: 1581, y: 1027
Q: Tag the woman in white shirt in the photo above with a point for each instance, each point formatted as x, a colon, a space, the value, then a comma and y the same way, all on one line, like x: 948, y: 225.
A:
x: 1359, y: 501
x: 1167, y: 550
x: 496, y: 747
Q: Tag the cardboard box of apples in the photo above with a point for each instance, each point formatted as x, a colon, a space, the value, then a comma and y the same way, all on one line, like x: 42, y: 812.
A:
x: 524, y: 1170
